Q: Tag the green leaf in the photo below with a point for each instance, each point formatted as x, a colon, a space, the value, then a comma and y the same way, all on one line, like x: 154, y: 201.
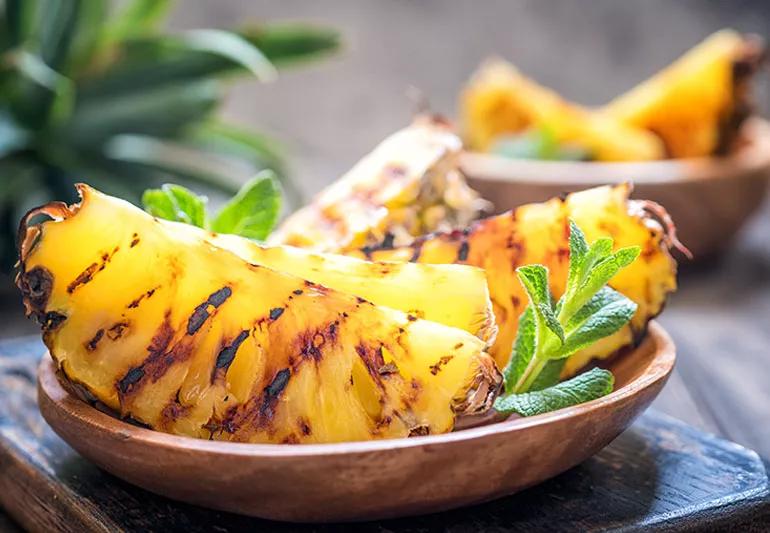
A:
x: 190, y: 57
x: 523, y: 350
x: 549, y: 375
x: 626, y: 256
x: 253, y: 212
x: 137, y: 18
x: 603, y: 315
x: 40, y: 95
x: 163, y: 111
x: 603, y: 266
x: 288, y: 43
x: 578, y: 248
x: 177, y: 203
x: 534, y: 278
x: 582, y: 388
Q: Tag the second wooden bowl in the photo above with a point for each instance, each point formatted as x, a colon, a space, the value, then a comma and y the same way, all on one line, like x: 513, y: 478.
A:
x: 361, y: 480
x: 709, y: 199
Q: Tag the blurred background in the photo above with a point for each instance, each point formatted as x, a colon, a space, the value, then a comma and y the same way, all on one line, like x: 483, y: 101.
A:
x: 330, y: 105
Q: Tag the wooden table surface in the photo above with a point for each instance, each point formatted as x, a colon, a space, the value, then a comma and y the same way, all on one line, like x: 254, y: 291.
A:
x: 720, y: 322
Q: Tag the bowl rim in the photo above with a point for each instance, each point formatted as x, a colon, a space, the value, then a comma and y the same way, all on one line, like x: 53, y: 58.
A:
x: 659, y: 367
x: 753, y: 157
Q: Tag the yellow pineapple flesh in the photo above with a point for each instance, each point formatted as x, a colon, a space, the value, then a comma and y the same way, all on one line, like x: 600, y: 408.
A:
x: 454, y: 295
x: 407, y: 186
x: 697, y: 104
x: 539, y: 233
x: 499, y: 101
x: 162, y: 326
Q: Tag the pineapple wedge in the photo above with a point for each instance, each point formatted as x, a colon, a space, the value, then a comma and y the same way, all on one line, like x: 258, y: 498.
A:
x: 500, y: 101
x: 539, y: 233
x: 409, y: 185
x: 162, y: 326
x: 454, y: 295
x: 697, y: 104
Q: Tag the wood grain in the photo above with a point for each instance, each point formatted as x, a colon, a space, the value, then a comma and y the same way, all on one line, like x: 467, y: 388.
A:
x: 659, y: 475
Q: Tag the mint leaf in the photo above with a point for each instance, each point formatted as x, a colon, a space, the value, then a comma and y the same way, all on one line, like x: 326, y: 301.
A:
x: 549, y: 376
x: 523, y: 350
x: 177, y: 203
x: 603, y: 315
x: 582, y: 388
x: 578, y: 248
x: 534, y: 279
x: 253, y: 212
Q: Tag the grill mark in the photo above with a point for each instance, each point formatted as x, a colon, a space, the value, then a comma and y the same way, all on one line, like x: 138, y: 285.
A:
x: 91, y: 270
x: 36, y: 286
x: 417, y: 251
x: 52, y: 320
x: 116, y: 330
x: 276, y: 312
x: 159, y: 343
x: 201, y: 313
x: 132, y: 377
x: 134, y: 240
x: 373, y: 360
x: 304, y: 426
x: 135, y: 303
x: 462, y: 253
x: 91, y: 345
x: 227, y: 354
x: 435, y: 369
x: 173, y: 411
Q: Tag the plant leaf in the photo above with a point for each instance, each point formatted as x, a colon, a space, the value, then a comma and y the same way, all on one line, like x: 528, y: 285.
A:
x: 523, y: 350
x: 137, y: 18
x: 578, y: 248
x: 177, y: 203
x: 288, y: 43
x: 534, y: 278
x: 603, y: 315
x: 582, y: 388
x: 253, y: 212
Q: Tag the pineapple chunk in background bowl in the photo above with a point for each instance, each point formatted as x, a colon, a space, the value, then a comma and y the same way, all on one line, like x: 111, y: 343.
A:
x: 686, y: 138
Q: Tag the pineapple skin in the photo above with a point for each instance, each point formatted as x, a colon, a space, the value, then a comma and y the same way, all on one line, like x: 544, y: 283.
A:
x: 539, y: 234
x: 164, y: 327
x: 698, y: 103
x: 499, y: 101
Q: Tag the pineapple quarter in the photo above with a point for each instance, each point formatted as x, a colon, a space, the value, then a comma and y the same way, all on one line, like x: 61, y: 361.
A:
x: 539, y: 234
x: 697, y: 103
x: 165, y: 327
x: 407, y: 186
x: 500, y: 101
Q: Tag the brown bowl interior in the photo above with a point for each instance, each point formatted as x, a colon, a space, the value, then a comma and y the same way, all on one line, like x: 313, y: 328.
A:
x: 708, y: 198
x: 361, y: 480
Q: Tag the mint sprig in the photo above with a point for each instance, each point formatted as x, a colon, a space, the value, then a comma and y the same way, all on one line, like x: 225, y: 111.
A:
x: 252, y: 213
x: 549, y: 333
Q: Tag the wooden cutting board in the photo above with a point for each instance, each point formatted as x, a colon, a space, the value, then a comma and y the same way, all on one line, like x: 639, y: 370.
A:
x: 660, y: 474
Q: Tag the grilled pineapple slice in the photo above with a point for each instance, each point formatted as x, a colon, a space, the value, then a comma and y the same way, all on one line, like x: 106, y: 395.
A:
x: 409, y: 185
x: 500, y: 101
x: 539, y: 233
x: 697, y: 104
x: 454, y: 295
x: 185, y: 337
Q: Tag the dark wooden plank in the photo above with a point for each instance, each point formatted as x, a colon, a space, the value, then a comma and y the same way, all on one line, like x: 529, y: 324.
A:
x: 661, y: 474
x: 720, y: 322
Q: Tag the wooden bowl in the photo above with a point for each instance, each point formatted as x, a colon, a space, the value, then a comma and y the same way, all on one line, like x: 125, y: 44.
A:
x: 708, y: 198
x: 361, y: 480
